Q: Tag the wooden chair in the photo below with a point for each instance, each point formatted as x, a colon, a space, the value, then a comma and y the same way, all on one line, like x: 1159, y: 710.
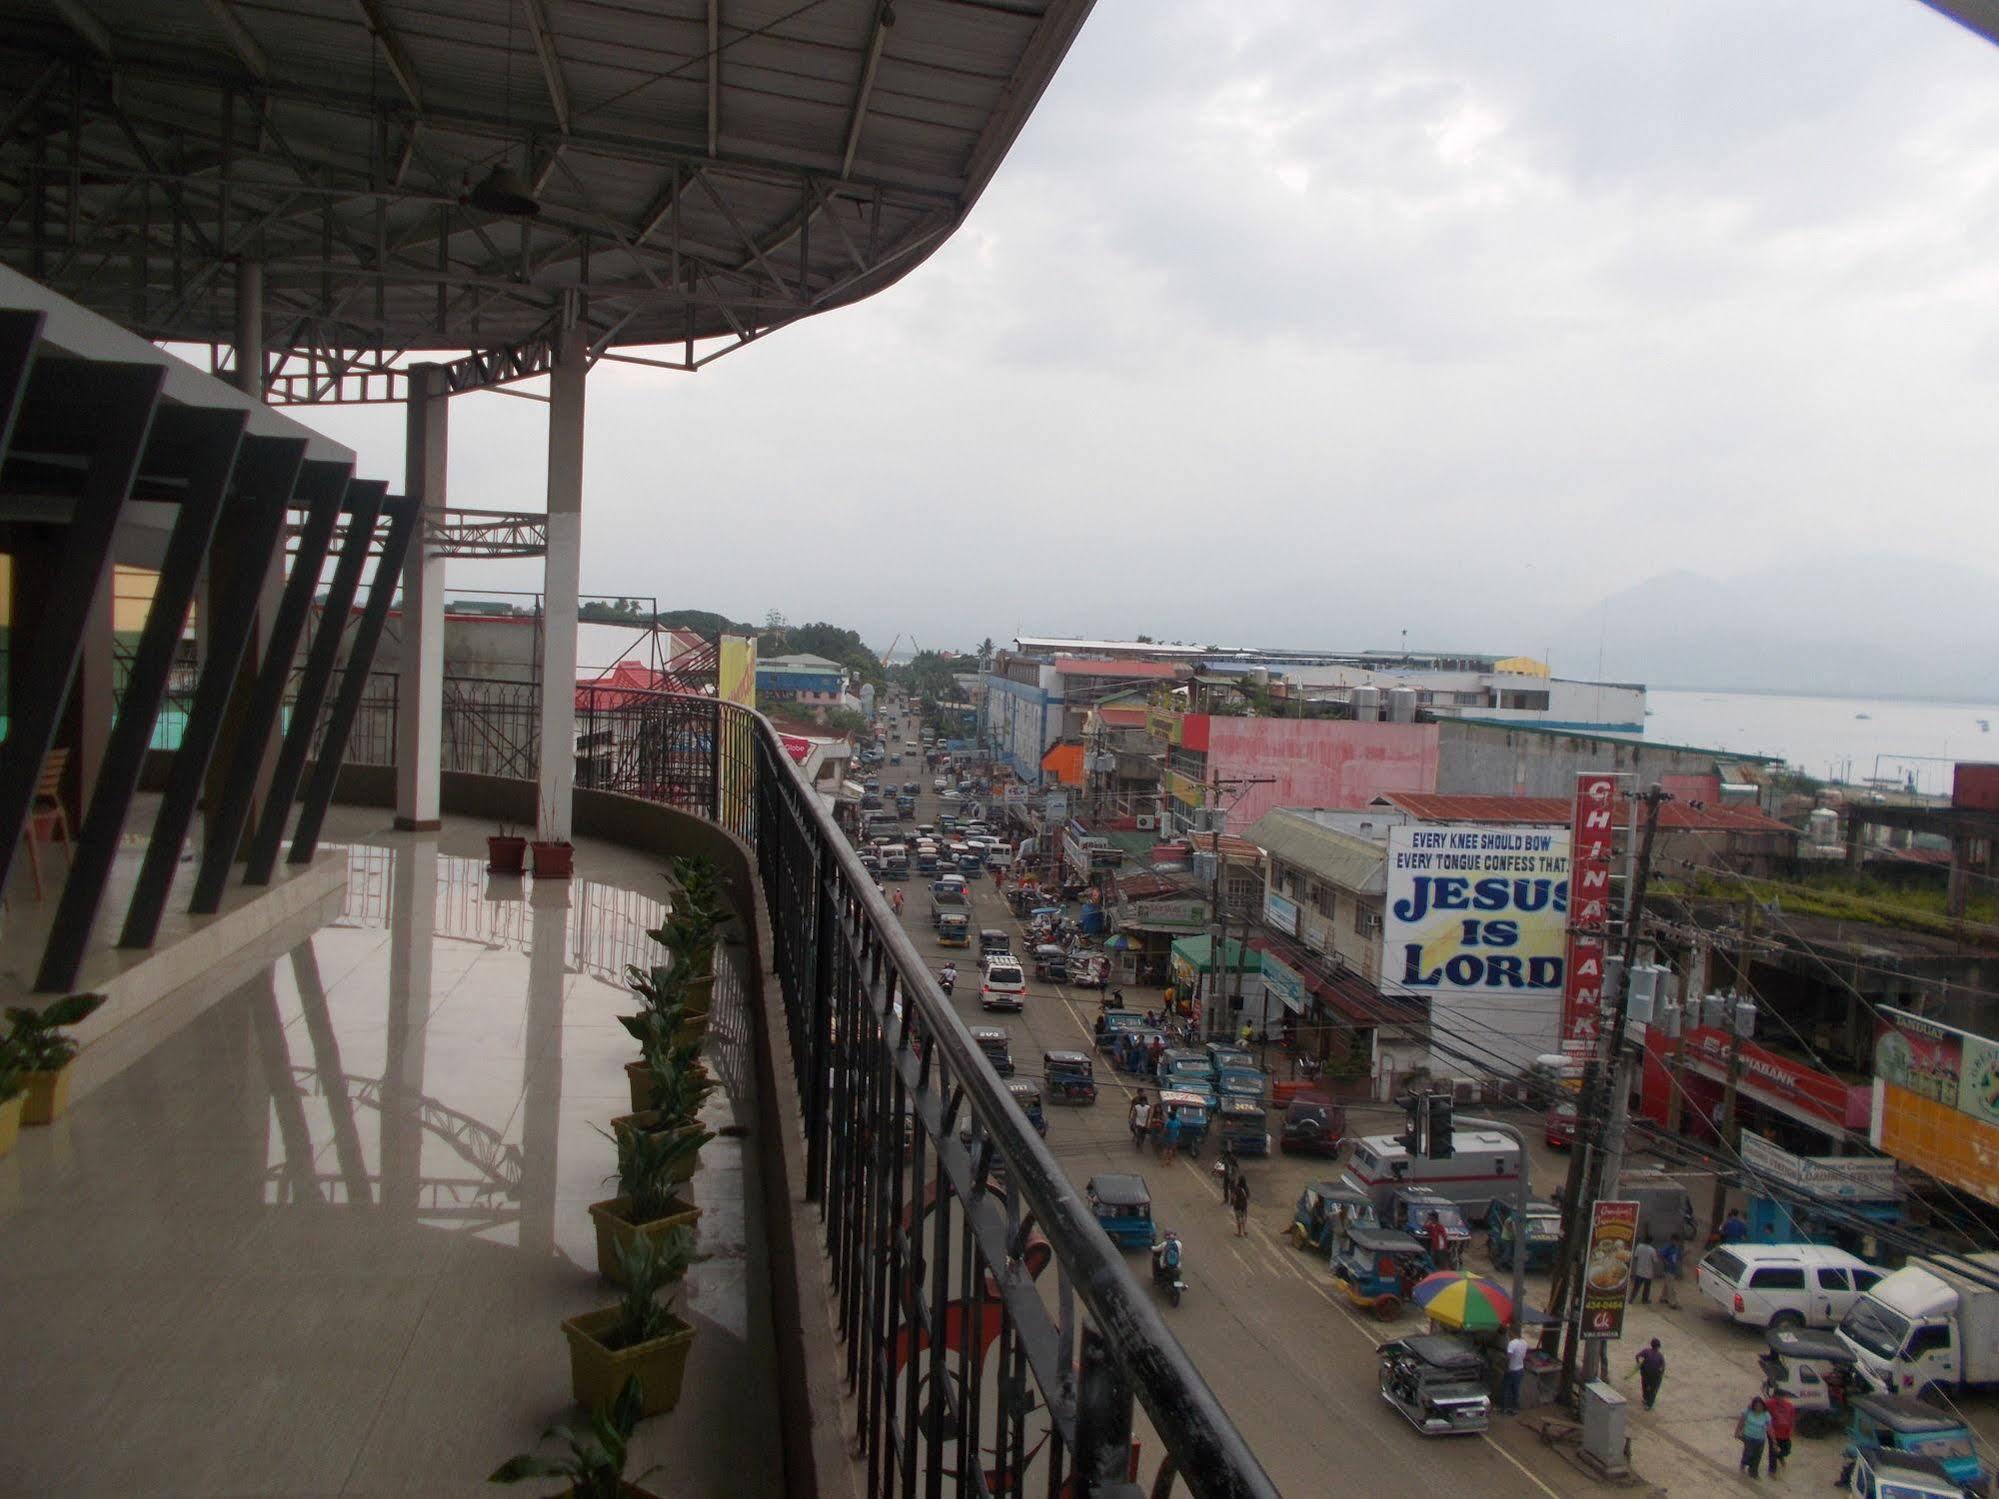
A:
x: 48, y: 822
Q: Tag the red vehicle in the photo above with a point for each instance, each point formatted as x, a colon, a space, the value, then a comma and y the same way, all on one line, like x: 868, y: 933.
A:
x: 1560, y: 1127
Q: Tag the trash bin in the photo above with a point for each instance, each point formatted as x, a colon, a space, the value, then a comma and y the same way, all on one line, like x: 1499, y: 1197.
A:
x: 1605, y: 1415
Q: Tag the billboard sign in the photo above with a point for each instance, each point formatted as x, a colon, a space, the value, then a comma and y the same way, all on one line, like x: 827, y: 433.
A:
x: 1476, y: 909
x: 1280, y: 912
x: 1599, y: 805
x: 1613, y: 1233
x: 1936, y: 1101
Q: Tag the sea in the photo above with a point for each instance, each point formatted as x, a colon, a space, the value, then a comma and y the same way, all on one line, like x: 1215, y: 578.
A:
x: 1901, y: 742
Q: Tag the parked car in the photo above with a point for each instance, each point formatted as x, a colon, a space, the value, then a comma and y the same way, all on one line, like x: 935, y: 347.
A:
x: 1312, y: 1126
x: 1004, y: 986
x: 1784, y: 1285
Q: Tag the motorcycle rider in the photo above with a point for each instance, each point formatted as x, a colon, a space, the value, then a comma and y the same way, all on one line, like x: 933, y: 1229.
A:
x: 1166, y: 1257
x: 949, y: 977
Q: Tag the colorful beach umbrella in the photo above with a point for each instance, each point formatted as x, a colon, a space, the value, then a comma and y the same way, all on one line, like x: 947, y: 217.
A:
x: 1457, y: 1298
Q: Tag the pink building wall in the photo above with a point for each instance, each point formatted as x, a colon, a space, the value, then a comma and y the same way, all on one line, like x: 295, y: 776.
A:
x: 1319, y: 762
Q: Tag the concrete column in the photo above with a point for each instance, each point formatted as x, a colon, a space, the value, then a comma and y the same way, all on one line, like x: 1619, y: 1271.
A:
x: 562, y: 568
x: 420, y: 669
x: 541, y: 1100
x: 94, y: 697
x: 412, y: 932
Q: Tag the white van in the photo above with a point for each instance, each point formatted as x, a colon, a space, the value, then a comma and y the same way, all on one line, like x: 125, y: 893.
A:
x: 1005, y: 984
x: 1784, y: 1285
x: 1483, y: 1164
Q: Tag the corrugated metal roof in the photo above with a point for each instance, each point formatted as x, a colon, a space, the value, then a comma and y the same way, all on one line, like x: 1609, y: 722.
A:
x: 1074, y: 666
x: 703, y: 169
x: 1338, y: 858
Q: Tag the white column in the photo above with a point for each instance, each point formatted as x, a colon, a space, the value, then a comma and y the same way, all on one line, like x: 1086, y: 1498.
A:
x: 561, y: 572
x: 420, y: 669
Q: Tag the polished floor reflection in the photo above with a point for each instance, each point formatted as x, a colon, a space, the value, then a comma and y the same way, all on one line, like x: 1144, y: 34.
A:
x: 319, y: 1238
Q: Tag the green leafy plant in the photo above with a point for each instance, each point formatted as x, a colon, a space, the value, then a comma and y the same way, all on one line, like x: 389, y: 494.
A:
x: 650, y: 1266
x: 662, y: 988
x: 36, y: 1036
x: 652, y: 1163
x: 13, y: 1076
x: 595, y: 1466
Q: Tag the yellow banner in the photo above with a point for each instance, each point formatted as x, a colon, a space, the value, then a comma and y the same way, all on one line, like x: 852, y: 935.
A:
x: 736, y: 669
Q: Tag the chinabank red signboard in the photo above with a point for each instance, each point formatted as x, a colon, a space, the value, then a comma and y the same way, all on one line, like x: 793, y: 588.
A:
x: 1599, y: 808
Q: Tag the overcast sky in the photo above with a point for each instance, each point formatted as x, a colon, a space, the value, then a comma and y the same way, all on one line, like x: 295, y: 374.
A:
x: 1314, y: 322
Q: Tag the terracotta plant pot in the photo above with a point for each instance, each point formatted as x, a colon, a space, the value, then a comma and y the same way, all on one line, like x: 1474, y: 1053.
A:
x: 701, y: 993
x: 47, y: 1096
x: 649, y: 1122
x: 10, y: 1123
x: 505, y: 854
x: 597, y: 1373
x: 553, y: 861
x: 615, y: 1230
x: 640, y: 1077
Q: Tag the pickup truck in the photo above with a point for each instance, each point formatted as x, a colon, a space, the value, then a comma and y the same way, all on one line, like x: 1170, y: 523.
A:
x: 1932, y: 1326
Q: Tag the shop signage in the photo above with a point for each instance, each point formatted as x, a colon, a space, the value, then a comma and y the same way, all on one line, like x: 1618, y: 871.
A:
x: 1181, y: 915
x: 1285, y: 983
x: 1475, y: 909
x: 1936, y: 1095
x: 1613, y: 1232
x: 1280, y: 912
x: 1846, y: 1178
x: 1769, y: 1076
x: 1599, y: 802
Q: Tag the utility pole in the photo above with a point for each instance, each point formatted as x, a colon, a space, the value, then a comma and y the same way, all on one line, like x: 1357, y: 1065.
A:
x: 1729, y: 1132
x: 1595, y: 1176
x: 1218, y: 957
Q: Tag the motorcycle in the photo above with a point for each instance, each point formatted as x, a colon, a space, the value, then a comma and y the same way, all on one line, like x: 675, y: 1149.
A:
x: 948, y: 979
x: 1165, y: 1275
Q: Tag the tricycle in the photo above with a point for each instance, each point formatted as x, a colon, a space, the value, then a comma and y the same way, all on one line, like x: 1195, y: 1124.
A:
x: 1111, y: 1024
x: 1814, y: 1371
x: 1244, y: 1128
x: 1437, y: 1382
x: 1238, y: 1081
x: 1189, y: 1110
x: 1123, y: 1209
x: 993, y: 1041
x: 1904, y: 1424
x: 954, y: 929
x: 1324, y: 1211
x: 1544, y: 1232
x: 1069, y: 1076
x: 1378, y: 1269
x: 1028, y: 1096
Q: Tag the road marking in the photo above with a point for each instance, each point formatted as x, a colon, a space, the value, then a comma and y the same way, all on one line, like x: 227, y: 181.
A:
x: 1524, y: 1471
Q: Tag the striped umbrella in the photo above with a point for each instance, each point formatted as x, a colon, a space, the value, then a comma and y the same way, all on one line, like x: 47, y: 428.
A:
x: 1457, y: 1298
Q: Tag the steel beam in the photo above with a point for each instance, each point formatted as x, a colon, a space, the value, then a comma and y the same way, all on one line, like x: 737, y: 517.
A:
x: 884, y: 19
x: 241, y: 41
x: 403, y: 517
x: 392, y: 50
x: 551, y: 65
x: 86, y: 25
x: 115, y: 404
x: 364, y: 504
x: 322, y: 489
x: 208, y: 440
x: 267, y: 471
x: 19, y: 333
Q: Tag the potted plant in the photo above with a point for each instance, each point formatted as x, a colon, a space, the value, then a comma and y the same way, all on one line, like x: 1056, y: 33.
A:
x: 670, y: 1075
x: 506, y: 851
x: 651, y: 1165
x: 554, y: 858
x: 44, y: 1053
x: 671, y: 992
x: 595, y: 1466
x: 12, y: 1091
x: 639, y: 1336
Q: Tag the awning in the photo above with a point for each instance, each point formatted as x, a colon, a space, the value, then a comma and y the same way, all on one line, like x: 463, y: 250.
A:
x: 1350, y: 997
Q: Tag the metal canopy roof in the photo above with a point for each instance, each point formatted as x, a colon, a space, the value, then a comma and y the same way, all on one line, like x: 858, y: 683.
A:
x: 705, y: 169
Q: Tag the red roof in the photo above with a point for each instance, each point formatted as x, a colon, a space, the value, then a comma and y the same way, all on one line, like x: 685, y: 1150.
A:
x: 624, y: 685
x: 1122, y: 718
x: 1147, y: 886
x: 1077, y: 666
x: 1675, y: 816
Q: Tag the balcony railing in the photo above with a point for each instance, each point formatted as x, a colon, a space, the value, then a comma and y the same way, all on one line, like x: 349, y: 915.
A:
x: 993, y: 1339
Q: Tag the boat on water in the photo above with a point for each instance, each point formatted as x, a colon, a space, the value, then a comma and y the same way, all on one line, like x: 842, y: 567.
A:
x: 1863, y: 715
x: 1984, y: 725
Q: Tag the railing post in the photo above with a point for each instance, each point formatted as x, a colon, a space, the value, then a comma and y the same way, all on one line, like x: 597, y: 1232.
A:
x: 825, y: 914
x: 715, y: 765
x: 1103, y: 1422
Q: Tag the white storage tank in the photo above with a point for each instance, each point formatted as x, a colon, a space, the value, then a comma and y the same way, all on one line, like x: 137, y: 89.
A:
x: 1402, y: 705
x: 1367, y: 704
x: 1822, y: 827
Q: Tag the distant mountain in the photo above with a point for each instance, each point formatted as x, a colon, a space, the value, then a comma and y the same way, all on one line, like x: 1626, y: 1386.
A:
x: 1874, y: 627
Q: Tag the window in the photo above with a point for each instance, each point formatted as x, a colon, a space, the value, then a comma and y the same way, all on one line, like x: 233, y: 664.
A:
x: 1834, y: 1280
x: 1365, y: 920
x: 1778, y: 1278
x: 1927, y: 1340
x: 1863, y: 1280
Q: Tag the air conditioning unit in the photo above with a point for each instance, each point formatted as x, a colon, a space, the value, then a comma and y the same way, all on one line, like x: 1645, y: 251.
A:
x: 1146, y: 822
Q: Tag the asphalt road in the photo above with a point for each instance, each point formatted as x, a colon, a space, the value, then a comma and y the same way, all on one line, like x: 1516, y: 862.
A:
x: 1291, y: 1363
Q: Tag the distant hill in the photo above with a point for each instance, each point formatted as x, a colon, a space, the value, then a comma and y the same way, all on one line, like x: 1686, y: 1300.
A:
x: 1881, y: 627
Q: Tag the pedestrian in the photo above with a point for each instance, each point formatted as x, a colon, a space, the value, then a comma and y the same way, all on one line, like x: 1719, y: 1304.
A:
x: 1169, y: 1136
x: 1227, y: 1168
x: 1734, y: 1228
x: 1783, y: 1422
x: 1516, y: 1371
x: 1644, y: 1269
x: 1239, y: 1200
x: 1247, y: 1031
x: 1651, y: 1371
x: 895, y: 899
x: 1439, y: 1240
x: 1753, y: 1427
x: 1141, y: 1119
x: 1671, y: 1256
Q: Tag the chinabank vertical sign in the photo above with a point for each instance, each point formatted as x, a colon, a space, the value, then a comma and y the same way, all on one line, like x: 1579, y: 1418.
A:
x: 1599, y: 808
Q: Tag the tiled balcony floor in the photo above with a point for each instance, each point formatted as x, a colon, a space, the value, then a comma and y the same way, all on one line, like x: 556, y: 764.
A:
x: 320, y: 1238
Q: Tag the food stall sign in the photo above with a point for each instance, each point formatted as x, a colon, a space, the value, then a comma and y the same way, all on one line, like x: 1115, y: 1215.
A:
x: 1613, y: 1233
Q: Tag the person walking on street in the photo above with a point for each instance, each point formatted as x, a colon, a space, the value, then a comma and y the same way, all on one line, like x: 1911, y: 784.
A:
x: 1169, y: 1136
x: 1671, y: 1256
x: 1651, y: 1372
x: 1439, y: 1240
x: 1734, y: 1228
x: 1644, y: 1268
x: 1228, y: 1169
x: 1516, y: 1371
x: 1753, y: 1427
x: 1239, y: 1200
x: 1783, y: 1422
x: 1141, y: 1119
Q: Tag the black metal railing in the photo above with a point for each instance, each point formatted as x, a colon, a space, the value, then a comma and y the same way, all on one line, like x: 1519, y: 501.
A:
x: 994, y: 1341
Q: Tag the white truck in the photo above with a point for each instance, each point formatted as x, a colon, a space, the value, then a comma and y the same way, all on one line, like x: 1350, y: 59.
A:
x: 1933, y: 1323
